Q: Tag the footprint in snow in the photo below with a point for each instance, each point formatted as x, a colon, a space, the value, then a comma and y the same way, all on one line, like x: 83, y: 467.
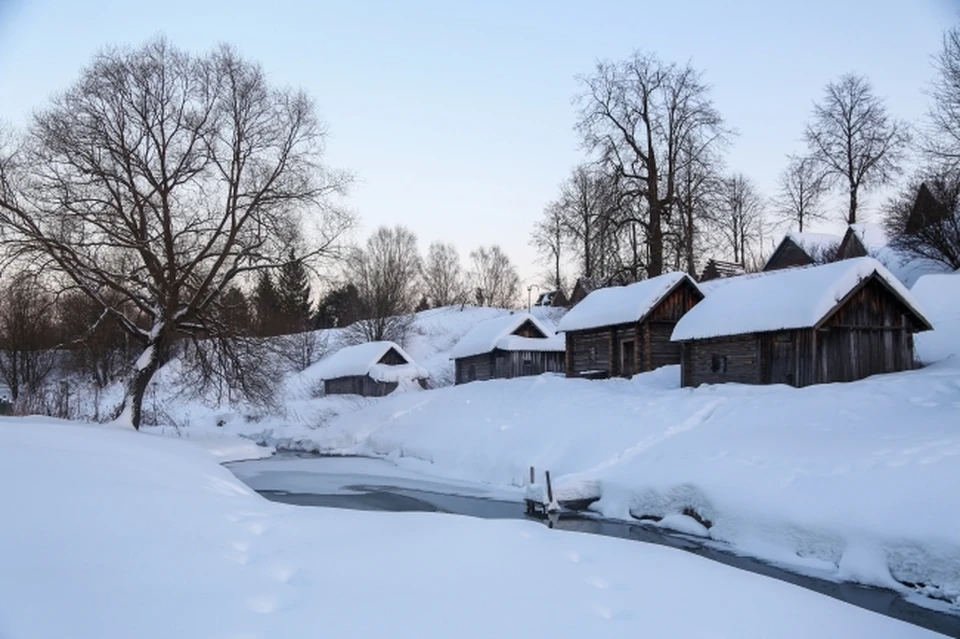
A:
x: 255, y: 528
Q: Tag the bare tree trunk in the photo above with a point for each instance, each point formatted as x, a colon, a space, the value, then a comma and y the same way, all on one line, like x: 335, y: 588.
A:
x: 655, y: 240
x: 143, y: 371
x: 852, y: 216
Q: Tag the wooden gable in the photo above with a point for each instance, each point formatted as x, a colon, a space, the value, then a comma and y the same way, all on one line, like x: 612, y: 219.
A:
x: 392, y: 358
x: 874, y: 304
x: 927, y: 209
x: 528, y: 329
x: 788, y: 254
x: 851, y: 246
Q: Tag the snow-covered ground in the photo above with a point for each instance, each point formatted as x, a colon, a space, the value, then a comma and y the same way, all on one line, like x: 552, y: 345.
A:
x: 846, y: 481
x: 849, y: 481
x: 111, y: 533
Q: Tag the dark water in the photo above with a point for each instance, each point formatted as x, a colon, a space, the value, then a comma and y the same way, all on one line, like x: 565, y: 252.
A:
x: 394, y: 499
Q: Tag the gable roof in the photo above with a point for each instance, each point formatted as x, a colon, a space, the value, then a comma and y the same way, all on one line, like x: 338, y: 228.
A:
x: 363, y: 359
x: 813, y: 244
x: 498, y: 333
x: 874, y: 240
x: 792, y: 298
x: 622, y: 304
x: 872, y: 237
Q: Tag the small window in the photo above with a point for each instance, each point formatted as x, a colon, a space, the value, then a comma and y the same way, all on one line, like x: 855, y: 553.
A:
x: 718, y: 363
x: 784, y: 337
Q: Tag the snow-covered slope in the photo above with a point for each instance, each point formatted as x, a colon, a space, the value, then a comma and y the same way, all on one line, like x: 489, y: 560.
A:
x: 111, y: 533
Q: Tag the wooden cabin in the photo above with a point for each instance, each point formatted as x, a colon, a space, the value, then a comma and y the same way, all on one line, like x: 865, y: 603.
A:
x: 373, y: 369
x: 802, y: 249
x: 554, y: 299
x: 621, y: 331
x: 836, y: 322
x: 716, y: 269
x: 513, y: 345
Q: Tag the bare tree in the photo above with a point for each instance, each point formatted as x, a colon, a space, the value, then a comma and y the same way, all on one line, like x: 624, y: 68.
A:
x: 26, y: 335
x: 494, y: 277
x: 637, y: 115
x: 801, y: 188
x: 942, y: 139
x: 853, y: 139
x: 937, y: 237
x: 386, y: 274
x: 162, y: 177
x: 548, y: 239
x: 443, y: 277
x: 698, y: 186
x: 738, y: 220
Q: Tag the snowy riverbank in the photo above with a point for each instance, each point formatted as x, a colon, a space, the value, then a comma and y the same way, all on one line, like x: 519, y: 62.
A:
x: 111, y: 533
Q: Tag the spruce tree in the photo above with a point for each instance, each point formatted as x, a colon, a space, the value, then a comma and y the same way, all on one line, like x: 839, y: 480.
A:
x: 293, y: 293
x: 267, y: 305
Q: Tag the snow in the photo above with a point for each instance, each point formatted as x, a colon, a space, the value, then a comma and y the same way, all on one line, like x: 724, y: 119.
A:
x: 872, y: 236
x: 621, y: 304
x: 940, y: 296
x: 362, y: 359
x: 497, y: 333
x: 782, y: 299
x: 120, y: 534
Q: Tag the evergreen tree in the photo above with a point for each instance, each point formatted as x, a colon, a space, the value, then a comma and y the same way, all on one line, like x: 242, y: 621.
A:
x: 293, y: 295
x: 266, y: 303
x: 338, y: 308
x: 236, y: 312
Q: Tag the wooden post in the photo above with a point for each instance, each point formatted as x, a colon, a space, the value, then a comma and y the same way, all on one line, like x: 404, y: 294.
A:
x: 549, y: 489
x: 532, y: 476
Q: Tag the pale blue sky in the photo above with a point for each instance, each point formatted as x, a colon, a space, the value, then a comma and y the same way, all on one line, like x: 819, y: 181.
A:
x: 456, y: 117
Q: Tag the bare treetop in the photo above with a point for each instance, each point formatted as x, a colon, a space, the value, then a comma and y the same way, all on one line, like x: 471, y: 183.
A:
x: 853, y: 138
x: 943, y: 138
x: 638, y: 115
x: 161, y: 176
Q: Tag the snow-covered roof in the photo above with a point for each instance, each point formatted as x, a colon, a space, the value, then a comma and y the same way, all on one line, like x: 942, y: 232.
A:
x: 621, y: 304
x: 363, y: 359
x: 784, y: 299
x: 498, y: 333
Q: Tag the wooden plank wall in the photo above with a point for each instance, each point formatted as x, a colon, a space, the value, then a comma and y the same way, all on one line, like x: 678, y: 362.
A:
x: 741, y: 351
x: 589, y: 351
x: 358, y: 385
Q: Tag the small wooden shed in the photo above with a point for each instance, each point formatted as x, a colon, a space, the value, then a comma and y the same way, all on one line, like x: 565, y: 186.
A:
x: 513, y: 345
x: 836, y: 322
x: 373, y: 369
x: 620, y: 331
x: 716, y: 269
x: 802, y: 249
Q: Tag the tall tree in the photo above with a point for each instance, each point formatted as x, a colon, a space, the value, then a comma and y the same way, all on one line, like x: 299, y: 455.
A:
x: 386, y: 272
x: 338, y: 308
x: 443, y: 277
x: 235, y: 310
x: 163, y: 176
x: 26, y: 334
x: 801, y: 188
x: 942, y: 138
x: 293, y: 293
x: 853, y: 139
x: 638, y: 114
x: 698, y: 184
x: 266, y: 305
x: 937, y: 235
x: 548, y: 239
x: 494, y: 277
x: 739, y: 217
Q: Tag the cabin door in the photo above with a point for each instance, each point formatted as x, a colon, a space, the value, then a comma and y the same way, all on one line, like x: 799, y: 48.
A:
x: 627, y: 356
x: 782, y: 364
